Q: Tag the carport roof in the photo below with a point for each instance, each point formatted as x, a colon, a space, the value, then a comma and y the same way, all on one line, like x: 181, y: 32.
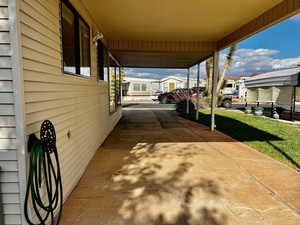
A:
x: 178, y: 34
x: 288, y: 77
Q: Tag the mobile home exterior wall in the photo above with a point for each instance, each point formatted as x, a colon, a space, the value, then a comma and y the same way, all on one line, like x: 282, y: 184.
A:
x: 12, y: 167
x: 76, y: 105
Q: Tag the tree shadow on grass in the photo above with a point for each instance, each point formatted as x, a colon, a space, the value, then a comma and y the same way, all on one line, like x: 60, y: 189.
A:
x: 236, y: 129
x: 243, y: 132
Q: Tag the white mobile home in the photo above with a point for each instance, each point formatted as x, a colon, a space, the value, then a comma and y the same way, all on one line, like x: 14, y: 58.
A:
x: 139, y: 86
x: 278, y: 87
x: 146, y: 87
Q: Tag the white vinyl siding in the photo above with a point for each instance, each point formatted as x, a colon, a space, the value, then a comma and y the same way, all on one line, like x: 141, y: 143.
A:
x: 74, y: 104
x: 9, y: 178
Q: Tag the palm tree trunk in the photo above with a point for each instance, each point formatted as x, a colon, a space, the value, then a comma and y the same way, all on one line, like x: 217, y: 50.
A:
x: 209, y: 74
x: 229, y: 59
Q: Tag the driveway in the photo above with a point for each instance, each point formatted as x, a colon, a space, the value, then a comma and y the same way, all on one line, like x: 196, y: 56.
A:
x: 158, y: 169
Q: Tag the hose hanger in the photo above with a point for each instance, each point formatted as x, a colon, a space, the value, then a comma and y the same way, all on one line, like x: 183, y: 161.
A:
x: 44, y: 192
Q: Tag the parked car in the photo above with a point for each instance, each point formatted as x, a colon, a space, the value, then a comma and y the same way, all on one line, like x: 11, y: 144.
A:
x: 155, y: 95
x: 226, y: 101
x: 175, y: 96
x: 180, y: 94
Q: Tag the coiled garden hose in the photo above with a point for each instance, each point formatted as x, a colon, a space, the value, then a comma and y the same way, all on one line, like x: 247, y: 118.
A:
x: 46, y: 198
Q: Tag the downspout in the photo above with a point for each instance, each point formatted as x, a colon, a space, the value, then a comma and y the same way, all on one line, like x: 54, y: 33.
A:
x: 214, y: 89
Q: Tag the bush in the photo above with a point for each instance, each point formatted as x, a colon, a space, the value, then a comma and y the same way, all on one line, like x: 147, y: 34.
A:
x: 258, y: 108
x: 219, y: 100
x: 181, y: 106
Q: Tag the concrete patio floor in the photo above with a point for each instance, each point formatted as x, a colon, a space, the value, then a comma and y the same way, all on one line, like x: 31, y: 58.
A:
x: 159, y: 169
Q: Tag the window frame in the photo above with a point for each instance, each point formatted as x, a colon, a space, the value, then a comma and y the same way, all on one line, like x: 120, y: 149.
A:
x: 144, y: 85
x: 102, y: 62
x: 114, y: 69
x: 77, y: 18
x: 135, y: 85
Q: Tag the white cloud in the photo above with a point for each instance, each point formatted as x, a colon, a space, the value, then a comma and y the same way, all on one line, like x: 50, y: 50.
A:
x: 297, y: 17
x: 259, y: 60
x: 245, y: 61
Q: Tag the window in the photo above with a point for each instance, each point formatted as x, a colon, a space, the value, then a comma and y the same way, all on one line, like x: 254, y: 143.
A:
x: 75, y: 41
x: 102, y: 62
x: 144, y: 87
x: 114, y: 85
x: 118, y: 86
x: 136, y: 87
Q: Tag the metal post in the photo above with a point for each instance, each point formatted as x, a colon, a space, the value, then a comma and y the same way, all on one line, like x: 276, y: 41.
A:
x: 198, y: 84
x: 214, y: 89
x: 188, y: 92
x: 293, y: 105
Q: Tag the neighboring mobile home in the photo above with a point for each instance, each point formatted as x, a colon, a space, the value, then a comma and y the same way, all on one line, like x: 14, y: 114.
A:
x: 60, y: 60
x: 147, y: 87
x: 279, y: 87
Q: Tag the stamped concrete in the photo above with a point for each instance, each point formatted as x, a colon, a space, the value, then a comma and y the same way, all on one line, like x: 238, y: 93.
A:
x: 159, y: 169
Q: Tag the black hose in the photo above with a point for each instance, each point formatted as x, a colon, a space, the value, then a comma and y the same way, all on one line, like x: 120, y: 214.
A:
x: 47, y: 209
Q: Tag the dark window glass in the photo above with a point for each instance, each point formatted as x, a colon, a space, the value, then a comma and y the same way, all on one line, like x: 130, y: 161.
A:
x: 85, y: 61
x: 136, y: 87
x: 76, y: 42
x: 144, y: 87
x: 118, y: 85
x: 106, y: 65
x: 68, y: 38
x: 103, y: 63
x: 100, y: 52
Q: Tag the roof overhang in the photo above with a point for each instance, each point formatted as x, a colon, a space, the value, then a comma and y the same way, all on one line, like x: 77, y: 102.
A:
x: 289, y: 77
x: 179, y: 34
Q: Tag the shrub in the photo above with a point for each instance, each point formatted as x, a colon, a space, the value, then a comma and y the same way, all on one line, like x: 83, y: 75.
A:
x: 181, y: 106
x: 258, y: 108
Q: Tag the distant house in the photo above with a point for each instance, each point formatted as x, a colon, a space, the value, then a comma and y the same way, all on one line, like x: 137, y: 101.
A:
x: 280, y: 87
x: 139, y: 86
x: 235, y: 85
x: 230, y: 87
x: 147, y: 87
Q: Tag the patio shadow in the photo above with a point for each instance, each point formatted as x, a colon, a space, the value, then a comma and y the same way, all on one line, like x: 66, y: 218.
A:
x: 165, y: 192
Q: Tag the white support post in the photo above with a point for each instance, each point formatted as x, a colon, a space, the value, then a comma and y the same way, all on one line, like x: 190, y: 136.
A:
x: 198, y: 84
x: 214, y: 89
x: 188, y: 92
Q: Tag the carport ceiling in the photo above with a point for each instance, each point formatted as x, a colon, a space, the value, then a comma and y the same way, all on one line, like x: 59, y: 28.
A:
x: 171, y: 22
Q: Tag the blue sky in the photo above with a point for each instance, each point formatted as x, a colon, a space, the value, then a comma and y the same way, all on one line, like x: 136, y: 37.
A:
x: 283, y: 37
x: 278, y: 47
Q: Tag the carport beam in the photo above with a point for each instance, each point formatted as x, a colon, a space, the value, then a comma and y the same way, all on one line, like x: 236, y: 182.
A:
x: 214, y: 89
x: 198, y: 84
x: 188, y: 92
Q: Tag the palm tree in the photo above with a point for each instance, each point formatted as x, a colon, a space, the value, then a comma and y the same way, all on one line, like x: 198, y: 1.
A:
x: 209, y: 74
x: 227, y: 64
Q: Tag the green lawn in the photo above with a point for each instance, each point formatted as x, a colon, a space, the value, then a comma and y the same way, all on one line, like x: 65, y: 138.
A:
x: 276, y: 139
